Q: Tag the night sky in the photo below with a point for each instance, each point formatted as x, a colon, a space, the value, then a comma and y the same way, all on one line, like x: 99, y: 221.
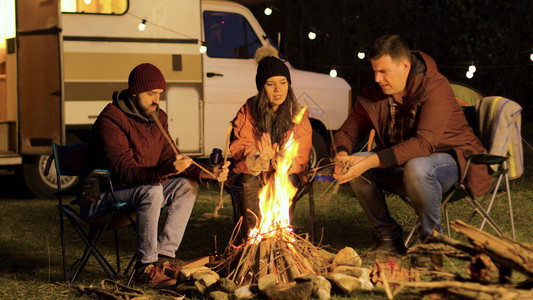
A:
x: 494, y: 35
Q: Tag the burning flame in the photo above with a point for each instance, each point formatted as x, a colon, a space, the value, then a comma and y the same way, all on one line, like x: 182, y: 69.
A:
x: 275, y: 198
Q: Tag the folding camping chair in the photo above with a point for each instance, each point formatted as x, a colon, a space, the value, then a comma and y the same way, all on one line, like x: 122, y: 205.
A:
x: 497, y: 122
x: 307, y: 188
x: 71, y: 160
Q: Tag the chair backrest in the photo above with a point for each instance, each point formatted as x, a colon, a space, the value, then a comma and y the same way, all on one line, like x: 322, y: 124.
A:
x: 71, y: 160
x: 499, y: 129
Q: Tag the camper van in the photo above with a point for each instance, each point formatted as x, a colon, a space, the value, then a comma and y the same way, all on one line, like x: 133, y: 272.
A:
x: 64, y: 63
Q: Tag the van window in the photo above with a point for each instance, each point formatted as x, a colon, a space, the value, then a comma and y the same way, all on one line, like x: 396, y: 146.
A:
x: 106, y: 7
x: 229, y: 35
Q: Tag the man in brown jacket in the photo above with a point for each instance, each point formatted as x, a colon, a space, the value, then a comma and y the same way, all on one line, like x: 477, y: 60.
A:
x: 147, y: 173
x: 421, y: 137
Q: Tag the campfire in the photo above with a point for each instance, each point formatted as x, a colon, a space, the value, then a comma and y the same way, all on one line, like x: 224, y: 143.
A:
x: 272, y: 247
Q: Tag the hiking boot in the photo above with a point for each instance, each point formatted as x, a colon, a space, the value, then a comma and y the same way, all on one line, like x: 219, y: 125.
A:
x: 170, y: 270
x: 154, y: 277
x: 390, y: 246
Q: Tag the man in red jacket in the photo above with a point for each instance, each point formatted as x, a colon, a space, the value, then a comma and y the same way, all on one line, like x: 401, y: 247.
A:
x: 421, y: 136
x: 147, y: 173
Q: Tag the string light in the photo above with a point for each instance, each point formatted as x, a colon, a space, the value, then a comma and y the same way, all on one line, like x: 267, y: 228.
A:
x: 311, y: 35
x: 142, y: 25
x: 333, y: 73
x: 472, y: 68
x: 203, y: 48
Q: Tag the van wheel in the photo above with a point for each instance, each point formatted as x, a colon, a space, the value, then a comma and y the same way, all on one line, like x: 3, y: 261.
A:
x: 40, y: 185
x: 33, y: 174
x: 318, y: 150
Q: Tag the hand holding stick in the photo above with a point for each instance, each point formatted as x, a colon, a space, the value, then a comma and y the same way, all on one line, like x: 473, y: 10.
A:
x: 174, y: 147
x: 225, y: 155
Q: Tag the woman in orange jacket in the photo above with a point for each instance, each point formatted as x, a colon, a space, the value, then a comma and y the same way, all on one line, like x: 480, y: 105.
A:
x: 261, y: 127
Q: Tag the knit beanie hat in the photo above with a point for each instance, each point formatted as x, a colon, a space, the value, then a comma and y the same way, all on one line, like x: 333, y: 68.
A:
x: 145, y: 77
x: 268, y: 65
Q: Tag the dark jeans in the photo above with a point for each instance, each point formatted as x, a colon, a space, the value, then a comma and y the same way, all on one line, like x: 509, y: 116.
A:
x: 244, y: 190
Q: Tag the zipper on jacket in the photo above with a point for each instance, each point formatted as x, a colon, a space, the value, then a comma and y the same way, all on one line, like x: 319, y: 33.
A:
x: 152, y: 146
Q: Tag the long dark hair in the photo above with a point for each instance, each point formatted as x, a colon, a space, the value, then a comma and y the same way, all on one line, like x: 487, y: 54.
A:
x: 276, y: 124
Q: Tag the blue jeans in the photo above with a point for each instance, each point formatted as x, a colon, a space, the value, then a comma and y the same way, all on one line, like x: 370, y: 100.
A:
x: 178, y: 194
x: 423, y: 180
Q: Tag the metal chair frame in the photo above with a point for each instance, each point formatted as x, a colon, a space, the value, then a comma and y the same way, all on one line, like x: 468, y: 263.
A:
x: 75, y: 165
x: 459, y: 192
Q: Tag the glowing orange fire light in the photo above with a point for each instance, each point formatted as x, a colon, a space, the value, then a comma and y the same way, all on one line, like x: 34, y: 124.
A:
x: 275, y: 198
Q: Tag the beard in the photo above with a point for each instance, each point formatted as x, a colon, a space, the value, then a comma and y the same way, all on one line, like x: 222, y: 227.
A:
x: 148, y: 110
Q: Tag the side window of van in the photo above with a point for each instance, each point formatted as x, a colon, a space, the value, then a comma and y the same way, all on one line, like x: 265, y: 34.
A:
x: 104, y: 7
x: 229, y: 35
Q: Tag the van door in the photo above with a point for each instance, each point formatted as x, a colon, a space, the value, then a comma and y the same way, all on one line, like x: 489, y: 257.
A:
x: 229, y: 68
x: 39, y: 76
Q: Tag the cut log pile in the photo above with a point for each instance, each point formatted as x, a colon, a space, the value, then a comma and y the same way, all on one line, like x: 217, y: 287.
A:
x: 492, y: 259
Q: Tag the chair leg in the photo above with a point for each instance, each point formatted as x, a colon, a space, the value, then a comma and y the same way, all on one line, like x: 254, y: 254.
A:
x: 411, y: 233
x: 130, y: 264
x: 90, y: 248
x: 90, y: 242
x: 509, y: 201
x: 447, y: 220
x: 493, y: 196
x: 311, y: 212
x: 479, y: 209
x: 117, y: 254
x: 130, y: 278
x: 62, y: 233
x: 510, y: 206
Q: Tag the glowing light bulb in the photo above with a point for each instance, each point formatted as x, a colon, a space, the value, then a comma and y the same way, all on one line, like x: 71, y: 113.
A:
x: 312, y: 35
x: 333, y: 73
x: 268, y: 11
x: 472, y: 68
x: 361, y: 55
x: 87, y: 2
x: 142, y: 25
x: 469, y: 74
x: 203, y: 49
x: 531, y: 56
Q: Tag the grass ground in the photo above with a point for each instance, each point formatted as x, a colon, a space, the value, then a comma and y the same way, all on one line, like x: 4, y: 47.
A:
x: 30, y: 250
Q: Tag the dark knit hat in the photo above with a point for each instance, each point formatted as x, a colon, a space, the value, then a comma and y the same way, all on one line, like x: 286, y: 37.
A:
x: 145, y: 77
x: 270, y: 66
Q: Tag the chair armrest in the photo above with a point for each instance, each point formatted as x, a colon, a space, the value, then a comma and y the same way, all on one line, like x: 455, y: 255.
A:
x: 487, y: 159
x: 99, y: 173
x: 48, y: 165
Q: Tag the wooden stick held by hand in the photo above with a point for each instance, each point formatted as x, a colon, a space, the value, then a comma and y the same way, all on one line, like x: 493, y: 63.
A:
x: 173, y: 146
x: 225, y: 155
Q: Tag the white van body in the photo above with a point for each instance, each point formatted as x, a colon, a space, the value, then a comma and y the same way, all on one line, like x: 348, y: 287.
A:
x: 204, y: 91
